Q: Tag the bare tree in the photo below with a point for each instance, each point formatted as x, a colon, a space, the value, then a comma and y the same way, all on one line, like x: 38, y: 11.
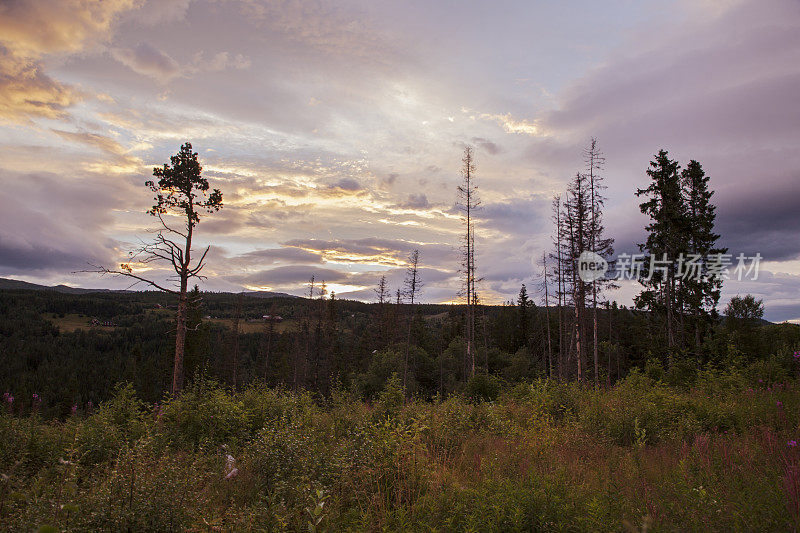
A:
x: 576, y: 214
x: 559, y: 275
x: 597, y: 242
x: 384, y: 297
x: 180, y: 192
x: 547, y: 317
x: 306, y: 332
x: 412, y: 285
x: 467, y: 202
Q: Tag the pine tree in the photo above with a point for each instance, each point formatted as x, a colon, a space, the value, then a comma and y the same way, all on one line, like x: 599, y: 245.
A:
x: 701, y: 292
x: 667, y: 238
x: 180, y: 192
x: 523, y: 318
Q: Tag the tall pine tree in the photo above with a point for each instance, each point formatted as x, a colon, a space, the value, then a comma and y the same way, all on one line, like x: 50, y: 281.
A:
x: 667, y: 238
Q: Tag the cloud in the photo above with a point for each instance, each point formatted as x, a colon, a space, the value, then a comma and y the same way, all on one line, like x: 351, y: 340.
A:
x: 416, y: 201
x: 487, y: 145
x: 512, y: 125
x: 291, y: 277
x: 149, y: 61
x: 374, y: 250
x: 31, y: 30
x: 347, y: 184
x: 766, y: 222
x: 52, y: 225
x: 270, y: 256
x: 96, y: 140
x: 49, y: 26
x: 27, y: 92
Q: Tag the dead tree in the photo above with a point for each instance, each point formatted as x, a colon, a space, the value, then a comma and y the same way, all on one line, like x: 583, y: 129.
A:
x: 382, y: 292
x: 412, y: 285
x: 598, y: 244
x: 576, y: 216
x: 559, y: 275
x: 467, y: 202
x: 547, y: 317
x: 181, y: 193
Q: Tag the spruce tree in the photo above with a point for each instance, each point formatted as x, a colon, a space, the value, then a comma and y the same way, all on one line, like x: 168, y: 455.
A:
x: 666, y: 239
x: 701, y: 292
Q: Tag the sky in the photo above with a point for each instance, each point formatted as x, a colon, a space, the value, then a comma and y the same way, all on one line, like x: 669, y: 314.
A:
x: 335, y: 131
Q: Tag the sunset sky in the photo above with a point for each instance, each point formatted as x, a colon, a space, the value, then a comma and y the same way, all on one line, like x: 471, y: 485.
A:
x: 335, y: 131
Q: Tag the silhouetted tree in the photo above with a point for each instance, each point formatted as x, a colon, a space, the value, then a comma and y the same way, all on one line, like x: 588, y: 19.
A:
x: 182, y: 192
x: 701, y: 292
x: 467, y: 202
x: 598, y: 243
x: 412, y: 285
x: 667, y: 238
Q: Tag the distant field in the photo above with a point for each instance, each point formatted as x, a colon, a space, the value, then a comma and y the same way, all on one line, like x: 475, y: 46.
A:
x: 255, y: 327
x: 71, y: 322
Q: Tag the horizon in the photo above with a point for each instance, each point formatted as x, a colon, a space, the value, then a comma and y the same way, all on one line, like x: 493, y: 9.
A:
x: 335, y: 133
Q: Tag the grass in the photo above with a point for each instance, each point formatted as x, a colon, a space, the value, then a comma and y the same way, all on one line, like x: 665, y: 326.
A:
x: 257, y: 326
x: 72, y: 322
x: 543, y: 457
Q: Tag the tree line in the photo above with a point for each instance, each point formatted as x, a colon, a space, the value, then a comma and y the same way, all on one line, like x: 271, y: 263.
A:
x: 573, y: 335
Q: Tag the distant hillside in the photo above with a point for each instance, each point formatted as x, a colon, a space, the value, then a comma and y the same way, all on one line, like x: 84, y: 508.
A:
x: 14, y: 284
x: 269, y: 294
x: 18, y: 285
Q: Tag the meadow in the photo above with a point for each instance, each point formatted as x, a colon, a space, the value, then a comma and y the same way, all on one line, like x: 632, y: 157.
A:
x: 717, y: 453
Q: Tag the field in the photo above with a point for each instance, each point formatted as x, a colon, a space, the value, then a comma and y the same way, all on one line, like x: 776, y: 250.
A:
x: 73, y: 322
x: 717, y: 456
x: 255, y: 326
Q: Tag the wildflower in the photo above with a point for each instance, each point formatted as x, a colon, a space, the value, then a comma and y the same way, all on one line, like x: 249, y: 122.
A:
x: 792, y: 443
x: 779, y: 404
x: 8, y: 398
x: 74, y: 408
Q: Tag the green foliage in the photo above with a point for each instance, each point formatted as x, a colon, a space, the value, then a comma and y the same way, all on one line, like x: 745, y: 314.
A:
x: 482, y: 388
x: 391, y: 398
x: 204, y: 415
x: 543, y: 455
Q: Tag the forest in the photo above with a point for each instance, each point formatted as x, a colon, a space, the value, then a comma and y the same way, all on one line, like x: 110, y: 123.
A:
x: 179, y: 409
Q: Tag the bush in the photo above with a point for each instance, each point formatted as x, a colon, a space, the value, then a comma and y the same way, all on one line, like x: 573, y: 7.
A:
x: 482, y: 388
x: 205, y: 415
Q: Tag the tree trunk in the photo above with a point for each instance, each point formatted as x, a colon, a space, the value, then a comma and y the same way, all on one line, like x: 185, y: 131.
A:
x: 547, y: 321
x: 269, y: 346
x: 180, y: 342
x: 180, y: 320
x: 594, y: 346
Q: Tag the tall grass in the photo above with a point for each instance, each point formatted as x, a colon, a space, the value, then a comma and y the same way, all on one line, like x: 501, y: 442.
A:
x: 718, y: 455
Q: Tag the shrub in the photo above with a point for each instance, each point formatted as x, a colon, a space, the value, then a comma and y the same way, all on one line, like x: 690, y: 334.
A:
x: 482, y: 388
x: 205, y: 415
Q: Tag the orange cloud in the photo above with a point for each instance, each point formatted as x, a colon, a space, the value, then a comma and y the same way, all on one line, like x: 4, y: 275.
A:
x: 31, y: 30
